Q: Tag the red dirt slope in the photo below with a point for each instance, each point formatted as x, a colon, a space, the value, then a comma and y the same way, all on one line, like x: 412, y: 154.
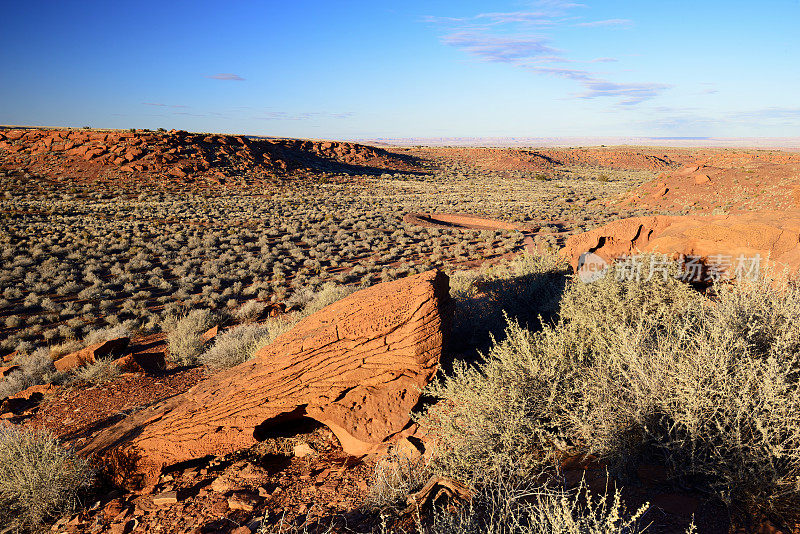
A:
x: 729, y: 180
x: 181, y: 157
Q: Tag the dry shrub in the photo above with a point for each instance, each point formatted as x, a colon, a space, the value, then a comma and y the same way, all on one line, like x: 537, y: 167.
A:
x: 240, y: 343
x: 525, y: 288
x: 111, y: 332
x: 394, y: 477
x: 185, y: 335
x: 100, y: 371
x: 503, y: 508
x: 498, y: 417
x: 38, y: 477
x: 250, y: 311
x: 307, y: 301
x: 641, y: 371
x: 36, y: 368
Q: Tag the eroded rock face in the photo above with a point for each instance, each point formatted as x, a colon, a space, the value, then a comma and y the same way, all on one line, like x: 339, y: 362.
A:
x: 357, y: 366
x: 90, y: 354
x: 772, y: 235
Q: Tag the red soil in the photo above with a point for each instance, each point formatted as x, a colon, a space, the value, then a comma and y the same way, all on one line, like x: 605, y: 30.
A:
x: 178, y: 157
x: 729, y: 180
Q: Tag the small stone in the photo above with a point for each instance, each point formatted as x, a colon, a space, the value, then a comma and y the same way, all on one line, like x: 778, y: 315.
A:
x: 301, y: 450
x: 166, y: 498
x: 221, y: 485
x: 242, y: 500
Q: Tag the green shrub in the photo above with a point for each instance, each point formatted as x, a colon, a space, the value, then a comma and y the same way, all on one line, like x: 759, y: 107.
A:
x: 38, y: 477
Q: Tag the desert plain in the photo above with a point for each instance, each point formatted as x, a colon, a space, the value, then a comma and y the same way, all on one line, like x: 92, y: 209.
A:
x: 229, y: 333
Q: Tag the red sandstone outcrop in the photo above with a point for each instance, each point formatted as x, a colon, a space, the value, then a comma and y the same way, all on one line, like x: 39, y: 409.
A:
x: 357, y: 366
x: 771, y: 235
x: 90, y: 354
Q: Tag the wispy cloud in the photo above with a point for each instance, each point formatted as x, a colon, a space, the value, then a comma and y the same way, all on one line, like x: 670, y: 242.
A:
x: 771, y: 114
x: 627, y: 93
x: 226, y: 76
x: 694, y: 120
x: 160, y: 105
x: 500, y: 49
x: 522, y: 39
x: 302, y: 116
x: 605, y: 23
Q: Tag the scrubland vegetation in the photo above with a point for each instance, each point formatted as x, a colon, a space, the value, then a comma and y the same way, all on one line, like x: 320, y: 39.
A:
x: 77, y: 259
x: 626, y: 372
x: 630, y: 372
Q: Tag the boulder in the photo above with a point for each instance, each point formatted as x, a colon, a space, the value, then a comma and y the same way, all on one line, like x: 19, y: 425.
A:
x: 91, y: 353
x: 772, y: 236
x: 26, y: 399
x: 357, y: 366
x: 6, y: 370
x: 142, y: 362
x: 13, y: 135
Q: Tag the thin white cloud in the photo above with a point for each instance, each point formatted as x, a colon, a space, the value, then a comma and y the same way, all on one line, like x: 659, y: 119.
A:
x: 506, y: 37
x: 605, y: 23
x: 627, y: 93
x: 226, y: 76
x: 160, y: 105
x: 501, y: 49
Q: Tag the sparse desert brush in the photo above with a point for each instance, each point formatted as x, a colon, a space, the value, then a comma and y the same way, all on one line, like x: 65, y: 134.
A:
x: 499, y: 418
x: 524, y: 288
x: 98, y: 372
x: 638, y: 371
x: 307, y: 301
x: 185, y: 334
x: 39, y: 478
x: 240, y: 343
x: 35, y: 368
x: 394, y: 477
x: 504, y: 508
x: 710, y: 390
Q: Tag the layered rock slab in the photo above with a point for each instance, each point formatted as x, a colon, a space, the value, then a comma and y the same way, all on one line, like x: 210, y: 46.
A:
x: 774, y: 236
x: 357, y: 366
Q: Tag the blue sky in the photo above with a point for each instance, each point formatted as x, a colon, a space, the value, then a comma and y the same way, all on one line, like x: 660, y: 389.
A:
x: 435, y: 68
